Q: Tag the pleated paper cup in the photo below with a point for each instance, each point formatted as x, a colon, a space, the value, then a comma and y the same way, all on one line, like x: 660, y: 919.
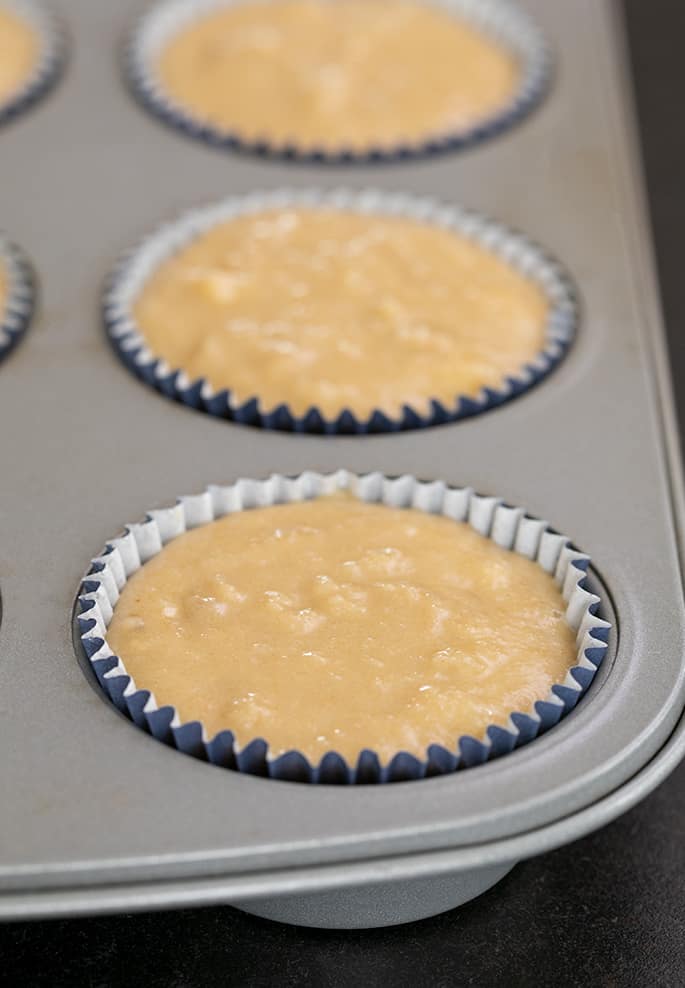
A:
x: 520, y: 253
x: 511, y: 528
x: 49, y: 63
x: 502, y: 21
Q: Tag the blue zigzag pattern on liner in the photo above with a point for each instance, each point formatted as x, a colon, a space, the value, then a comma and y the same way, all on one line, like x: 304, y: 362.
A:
x: 522, y: 254
x: 50, y: 63
x: 16, y: 313
x: 505, y: 22
x: 509, y: 527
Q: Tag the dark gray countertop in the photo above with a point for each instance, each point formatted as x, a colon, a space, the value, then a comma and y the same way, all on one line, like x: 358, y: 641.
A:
x: 606, y: 911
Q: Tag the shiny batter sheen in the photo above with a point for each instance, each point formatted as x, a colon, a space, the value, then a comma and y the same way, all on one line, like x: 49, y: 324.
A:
x: 350, y: 73
x: 340, y: 625
x: 339, y: 310
x: 19, y: 52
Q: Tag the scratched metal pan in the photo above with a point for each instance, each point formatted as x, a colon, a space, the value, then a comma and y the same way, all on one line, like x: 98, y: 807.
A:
x: 94, y: 814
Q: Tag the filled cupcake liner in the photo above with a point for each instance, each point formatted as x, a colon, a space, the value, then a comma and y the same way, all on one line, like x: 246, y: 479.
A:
x: 509, y: 527
x: 50, y: 61
x: 520, y: 253
x: 15, y: 314
x: 502, y: 20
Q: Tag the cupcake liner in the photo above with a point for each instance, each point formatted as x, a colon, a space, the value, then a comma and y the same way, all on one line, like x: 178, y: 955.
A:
x: 16, y: 313
x: 501, y: 20
x: 509, y: 527
x: 50, y: 60
x: 521, y: 254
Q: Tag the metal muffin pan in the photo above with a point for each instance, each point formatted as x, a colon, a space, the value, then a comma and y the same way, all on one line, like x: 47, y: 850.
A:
x: 95, y: 815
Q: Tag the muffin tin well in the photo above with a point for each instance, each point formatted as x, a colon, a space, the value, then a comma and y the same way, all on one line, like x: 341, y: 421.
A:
x: 97, y: 815
x: 504, y: 21
x: 527, y: 259
x: 50, y: 61
x: 507, y: 527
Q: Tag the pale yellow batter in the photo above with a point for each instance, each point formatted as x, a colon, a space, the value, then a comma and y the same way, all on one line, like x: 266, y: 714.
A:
x: 19, y: 53
x: 340, y: 625
x: 337, y: 73
x: 339, y: 310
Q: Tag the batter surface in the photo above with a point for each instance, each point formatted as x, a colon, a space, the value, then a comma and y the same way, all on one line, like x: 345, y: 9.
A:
x: 19, y: 52
x: 340, y: 625
x: 339, y: 310
x: 350, y: 73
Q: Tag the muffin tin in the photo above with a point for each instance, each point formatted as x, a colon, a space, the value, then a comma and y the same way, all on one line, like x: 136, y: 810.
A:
x: 97, y: 816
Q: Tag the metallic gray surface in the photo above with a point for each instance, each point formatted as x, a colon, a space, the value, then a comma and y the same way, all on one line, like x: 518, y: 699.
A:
x: 384, y: 904
x: 89, y: 805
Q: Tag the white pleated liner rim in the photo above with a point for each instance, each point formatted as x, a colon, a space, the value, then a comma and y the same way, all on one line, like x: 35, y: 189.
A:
x: 509, y: 527
x: 501, y: 20
x: 15, y: 313
x: 523, y: 255
x: 50, y: 57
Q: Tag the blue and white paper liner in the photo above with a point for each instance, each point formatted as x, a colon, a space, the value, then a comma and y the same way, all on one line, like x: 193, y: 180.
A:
x: 502, y: 20
x: 509, y: 527
x: 16, y: 312
x: 135, y: 267
x: 50, y: 61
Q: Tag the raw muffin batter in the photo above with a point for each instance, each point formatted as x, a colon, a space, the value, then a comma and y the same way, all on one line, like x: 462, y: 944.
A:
x: 349, y: 73
x: 340, y: 625
x: 19, y: 51
x: 340, y: 310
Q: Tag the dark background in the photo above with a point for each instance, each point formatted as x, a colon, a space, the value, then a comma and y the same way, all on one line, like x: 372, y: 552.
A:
x: 608, y: 910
